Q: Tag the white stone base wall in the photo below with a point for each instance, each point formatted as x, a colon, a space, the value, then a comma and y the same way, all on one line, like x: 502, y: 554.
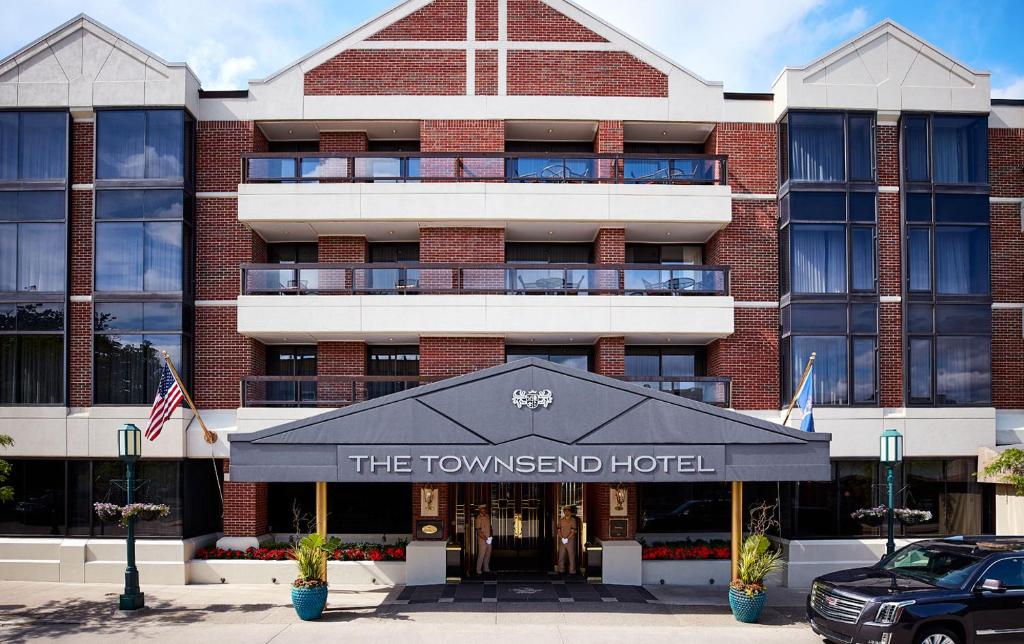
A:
x: 686, y: 573
x: 213, y: 571
x: 809, y: 559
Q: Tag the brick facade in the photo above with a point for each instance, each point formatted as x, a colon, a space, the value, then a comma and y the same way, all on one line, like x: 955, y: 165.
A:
x: 448, y: 357
x: 599, y: 505
x: 483, y: 245
x: 752, y: 149
x: 82, y: 147
x: 453, y: 135
x: 486, y: 80
x: 610, y: 356
x: 222, y: 358
x: 750, y: 356
x: 383, y: 72
x: 439, y: 20
x: 341, y: 250
x: 610, y: 246
x: 245, y: 508
x: 443, y: 493
x: 486, y: 21
x: 582, y: 73
x: 80, y: 326
x: 532, y: 20
x: 343, y: 142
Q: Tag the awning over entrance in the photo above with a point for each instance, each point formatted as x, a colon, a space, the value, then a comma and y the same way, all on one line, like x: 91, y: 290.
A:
x: 530, y: 420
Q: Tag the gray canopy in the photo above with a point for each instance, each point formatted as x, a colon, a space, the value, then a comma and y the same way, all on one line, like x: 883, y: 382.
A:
x: 530, y: 420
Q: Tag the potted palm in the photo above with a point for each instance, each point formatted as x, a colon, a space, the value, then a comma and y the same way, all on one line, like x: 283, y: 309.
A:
x: 309, y: 590
x: 757, y: 560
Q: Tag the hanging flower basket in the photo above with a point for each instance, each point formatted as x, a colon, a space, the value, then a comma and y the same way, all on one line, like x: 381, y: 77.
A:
x: 108, y: 512
x: 144, y: 512
x: 906, y: 516
x: 871, y: 517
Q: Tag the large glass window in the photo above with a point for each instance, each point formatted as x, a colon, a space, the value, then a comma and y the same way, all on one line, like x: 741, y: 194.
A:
x: 130, y: 337
x: 55, y: 497
x: 844, y: 340
x: 577, y: 357
x: 33, y: 146
x: 32, y: 354
x: 140, y: 144
x: 374, y: 510
x: 291, y: 361
x: 829, y: 147
x: 398, y: 362
x: 135, y: 250
x: 684, y: 509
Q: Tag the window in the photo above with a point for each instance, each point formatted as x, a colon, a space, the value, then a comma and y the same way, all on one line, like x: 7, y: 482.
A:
x: 664, y: 254
x: 127, y: 349
x: 948, y: 262
x: 33, y: 146
x: 32, y: 354
x: 352, y: 508
x: 140, y: 144
x: 949, y: 490
x: 291, y: 361
x: 397, y: 362
x: 140, y: 241
x: 55, y: 498
x: 828, y: 242
x: 1008, y: 571
x: 675, y: 370
x: 948, y: 149
x: 831, y: 147
x: 684, y: 508
x: 844, y: 339
x: 576, y: 357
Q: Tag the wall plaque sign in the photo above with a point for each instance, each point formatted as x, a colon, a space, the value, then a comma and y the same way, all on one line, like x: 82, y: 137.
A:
x: 430, y: 529
x: 618, y: 528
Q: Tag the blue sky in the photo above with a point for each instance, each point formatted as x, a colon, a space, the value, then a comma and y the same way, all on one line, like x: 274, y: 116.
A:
x: 744, y: 43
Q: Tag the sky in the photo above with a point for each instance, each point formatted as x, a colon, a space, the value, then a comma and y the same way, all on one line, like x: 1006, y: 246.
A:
x: 744, y: 43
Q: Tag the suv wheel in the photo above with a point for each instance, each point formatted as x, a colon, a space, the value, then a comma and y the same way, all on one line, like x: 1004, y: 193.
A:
x: 937, y: 636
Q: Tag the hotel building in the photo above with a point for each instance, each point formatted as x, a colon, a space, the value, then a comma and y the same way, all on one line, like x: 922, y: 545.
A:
x: 505, y: 230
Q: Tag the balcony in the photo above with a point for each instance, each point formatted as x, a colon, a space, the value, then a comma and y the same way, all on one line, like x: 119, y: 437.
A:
x: 307, y: 195
x: 341, y: 391
x: 521, y: 302
x: 494, y: 279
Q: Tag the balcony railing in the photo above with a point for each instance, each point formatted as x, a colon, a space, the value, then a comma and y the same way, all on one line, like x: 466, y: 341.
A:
x: 508, y: 279
x: 496, y: 167
x: 340, y: 391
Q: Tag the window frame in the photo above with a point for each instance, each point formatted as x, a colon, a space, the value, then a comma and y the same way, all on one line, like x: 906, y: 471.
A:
x: 931, y: 185
x: 187, y: 180
x: 784, y: 160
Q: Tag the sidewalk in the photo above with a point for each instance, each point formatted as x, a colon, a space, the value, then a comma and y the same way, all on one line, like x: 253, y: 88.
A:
x: 248, y: 613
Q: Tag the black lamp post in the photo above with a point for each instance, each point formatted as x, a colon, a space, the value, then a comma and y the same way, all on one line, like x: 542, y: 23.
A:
x: 129, y: 448
x: 891, y: 453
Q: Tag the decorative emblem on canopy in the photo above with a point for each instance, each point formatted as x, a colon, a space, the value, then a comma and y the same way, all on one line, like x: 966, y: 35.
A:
x: 532, y: 399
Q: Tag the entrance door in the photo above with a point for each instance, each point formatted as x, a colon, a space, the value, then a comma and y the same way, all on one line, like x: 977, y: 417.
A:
x: 520, y: 518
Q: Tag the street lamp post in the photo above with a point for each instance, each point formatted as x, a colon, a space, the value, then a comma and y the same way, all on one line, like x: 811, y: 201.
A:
x: 890, y: 453
x: 129, y: 448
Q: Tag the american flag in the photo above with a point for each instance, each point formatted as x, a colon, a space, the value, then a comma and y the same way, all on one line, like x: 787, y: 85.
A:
x: 168, y: 397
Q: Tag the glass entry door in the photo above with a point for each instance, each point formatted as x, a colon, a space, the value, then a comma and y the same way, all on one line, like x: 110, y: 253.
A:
x: 521, y: 523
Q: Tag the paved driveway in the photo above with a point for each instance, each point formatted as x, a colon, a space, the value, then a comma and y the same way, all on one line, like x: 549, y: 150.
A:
x: 236, y: 613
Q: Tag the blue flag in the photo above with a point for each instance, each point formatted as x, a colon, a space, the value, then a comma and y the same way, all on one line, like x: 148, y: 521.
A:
x: 805, y: 400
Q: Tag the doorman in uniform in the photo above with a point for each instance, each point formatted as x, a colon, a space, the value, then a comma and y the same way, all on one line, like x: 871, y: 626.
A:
x: 483, y: 540
x: 567, y: 540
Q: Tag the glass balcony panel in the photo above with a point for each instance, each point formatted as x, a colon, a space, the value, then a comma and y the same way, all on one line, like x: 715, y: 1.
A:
x: 271, y: 168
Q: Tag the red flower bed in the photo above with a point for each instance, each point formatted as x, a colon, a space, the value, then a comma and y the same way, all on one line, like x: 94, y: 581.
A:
x: 348, y: 552
x: 687, y: 551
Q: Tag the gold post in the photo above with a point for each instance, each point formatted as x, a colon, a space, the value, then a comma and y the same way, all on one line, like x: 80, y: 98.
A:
x: 321, y: 518
x: 208, y: 436
x: 737, y: 526
x: 796, y: 392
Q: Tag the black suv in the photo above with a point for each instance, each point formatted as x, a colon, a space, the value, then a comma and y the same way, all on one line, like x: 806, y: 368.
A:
x: 959, y: 590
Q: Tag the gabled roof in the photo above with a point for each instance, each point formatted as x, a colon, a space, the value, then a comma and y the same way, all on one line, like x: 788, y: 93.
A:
x: 407, y: 7
x: 886, y: 68
x: 474, y: 415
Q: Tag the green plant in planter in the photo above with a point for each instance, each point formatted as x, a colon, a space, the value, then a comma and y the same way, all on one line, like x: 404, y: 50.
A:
x: 309, y: 590
x: 1010, y: 465
x: 757, y: 560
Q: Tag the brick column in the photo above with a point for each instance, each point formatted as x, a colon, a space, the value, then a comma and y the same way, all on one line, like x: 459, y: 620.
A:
x: 245, y: 513
x: 340, y: 359
x: 608, y: 140
x: 599, y: 510
x: 1006, y: 158
x: 610, y: 356
x: 334, y: 142
x: 447, y: 357
x: 458, y: 245
x: 80, y: 226
x: 341, y: 250
x: 890, y: 281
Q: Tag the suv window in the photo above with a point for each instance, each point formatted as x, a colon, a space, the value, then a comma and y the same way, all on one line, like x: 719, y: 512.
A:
x: 1008, y: 571
x: 946, y: 567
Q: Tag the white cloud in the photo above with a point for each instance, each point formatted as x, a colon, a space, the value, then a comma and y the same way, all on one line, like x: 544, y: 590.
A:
x: 744, y: 43
x: 1014, y: 89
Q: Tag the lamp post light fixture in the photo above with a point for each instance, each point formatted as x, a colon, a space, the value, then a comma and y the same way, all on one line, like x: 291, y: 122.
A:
x: 129, y: 449
x: 890, y: 453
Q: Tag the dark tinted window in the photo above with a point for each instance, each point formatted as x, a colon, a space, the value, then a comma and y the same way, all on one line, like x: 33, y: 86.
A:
x: 960, y: 149
x: 127, y: 367
x: 817, y: 147
x: 963, y: 318
x: 33, y: 146
x: 813, y: 206
x: 136, y: 256
x: 919, y: 318
x: 957, y: 208
x: 140, y: 144
x: 862, y: 206
x: 963, y: 370
x: 33, y: 205
x: 915, y: 148
x: 1008, y: 571
x: 819, y: 318
x: 919, y: 206
x: 818, y: 258
x: 139, y: 204
x: 32, y: 258
x: 861, y: 143
x: 962, y: 260
x: 919, y: 264
x: 864, y: 318
x: 830, y: 367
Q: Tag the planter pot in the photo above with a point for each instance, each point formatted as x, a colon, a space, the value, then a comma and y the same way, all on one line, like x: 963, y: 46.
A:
x: 147, y: 515
x: 872, y: 522
x: 746, y: 608
x: 309, y: 602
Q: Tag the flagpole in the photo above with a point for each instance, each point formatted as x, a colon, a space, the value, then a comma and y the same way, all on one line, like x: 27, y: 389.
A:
x: 210, y: 437
x: 796, y: 392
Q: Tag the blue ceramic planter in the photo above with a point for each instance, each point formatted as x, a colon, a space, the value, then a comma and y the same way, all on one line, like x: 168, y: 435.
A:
x: 309, y: 602
x: 746, y: 608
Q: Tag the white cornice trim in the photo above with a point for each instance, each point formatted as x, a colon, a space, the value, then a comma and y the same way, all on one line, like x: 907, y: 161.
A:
x: 213, y: 303
x: 1010, y: 200
x: 754, y: 196
x: 83, y: 299
x: 216, y: 195
x: 756, y: 305
x: 82, y: 187
x: 1007, y: 306
x: 890, y: 299
x: 890, y: 189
